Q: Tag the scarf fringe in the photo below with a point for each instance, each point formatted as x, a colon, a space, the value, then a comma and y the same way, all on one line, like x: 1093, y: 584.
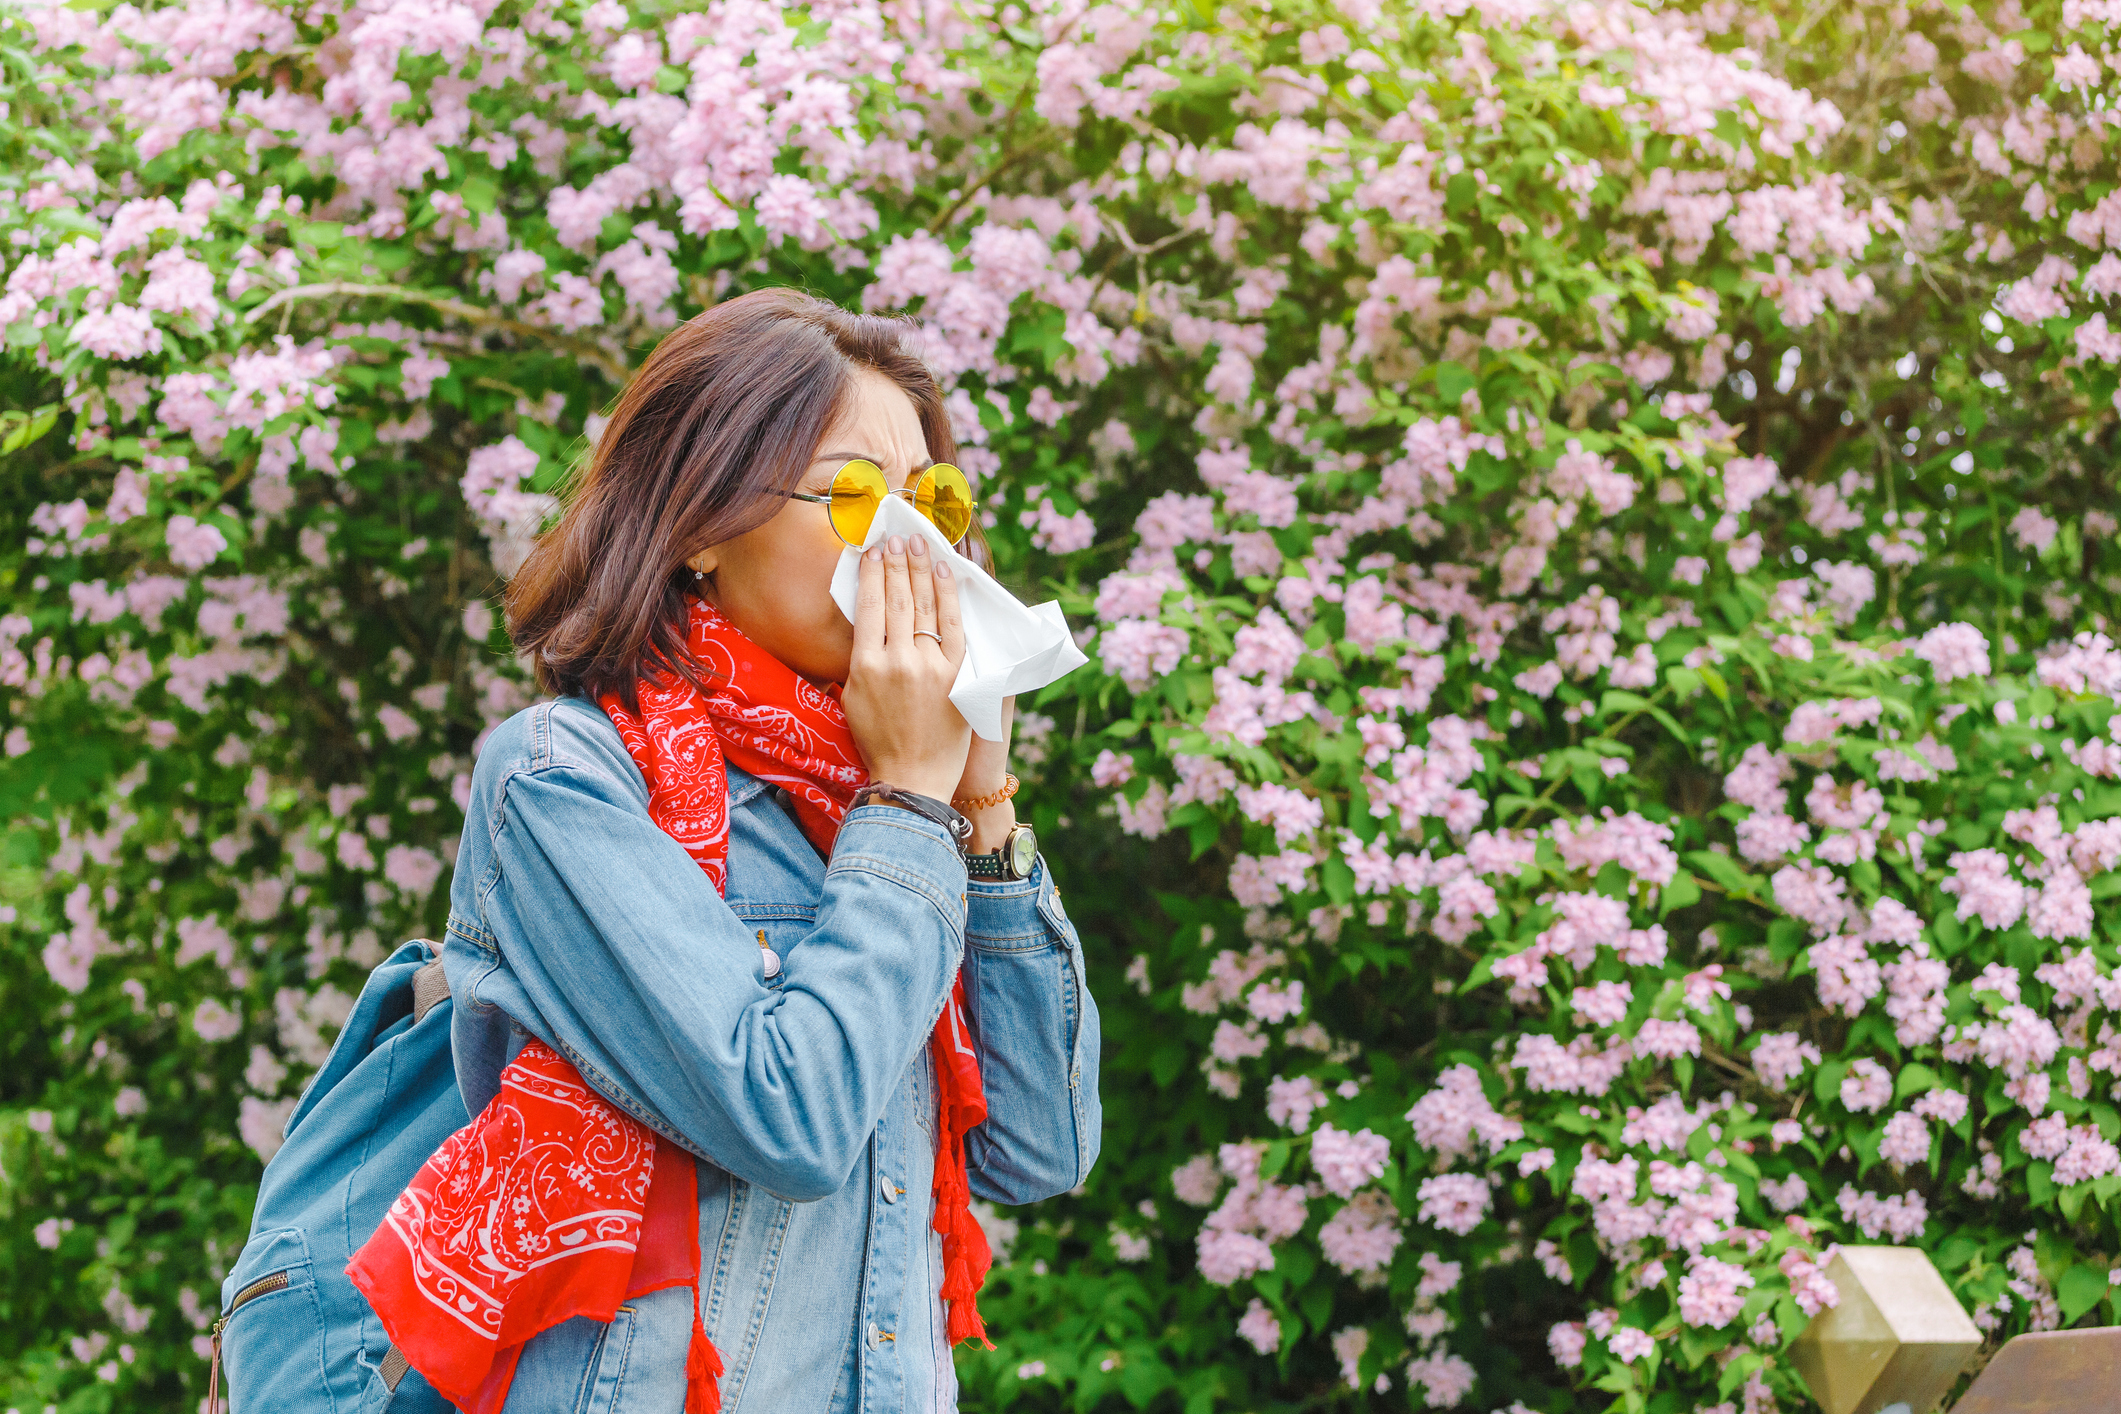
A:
x: 966, y: 1255
x: 703, y: 1368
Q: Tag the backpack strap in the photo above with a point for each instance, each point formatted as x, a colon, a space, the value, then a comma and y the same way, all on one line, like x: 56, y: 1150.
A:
x: 429, y: 986
x: 393, y: 1368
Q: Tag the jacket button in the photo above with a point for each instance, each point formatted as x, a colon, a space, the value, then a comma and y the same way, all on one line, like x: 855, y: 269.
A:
x: 890, y: 1190
x: 879, y: 1337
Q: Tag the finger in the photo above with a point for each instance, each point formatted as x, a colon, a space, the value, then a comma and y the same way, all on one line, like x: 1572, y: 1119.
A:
x: 869, y: 604
x: 921, y: 580
x: 898, y: 595
x: 949, y: 614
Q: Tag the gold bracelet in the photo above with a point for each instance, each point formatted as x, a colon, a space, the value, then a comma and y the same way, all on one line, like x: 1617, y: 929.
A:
x: 992, y: 798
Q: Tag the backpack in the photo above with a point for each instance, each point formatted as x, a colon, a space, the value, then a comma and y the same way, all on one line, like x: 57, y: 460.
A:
x: 295, y: 1335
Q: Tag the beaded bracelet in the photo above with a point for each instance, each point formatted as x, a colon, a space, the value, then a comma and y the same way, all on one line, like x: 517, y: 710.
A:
x: 992, y: 798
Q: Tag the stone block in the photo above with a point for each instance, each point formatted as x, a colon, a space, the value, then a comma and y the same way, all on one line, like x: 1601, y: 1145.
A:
x: 1898, y: 1336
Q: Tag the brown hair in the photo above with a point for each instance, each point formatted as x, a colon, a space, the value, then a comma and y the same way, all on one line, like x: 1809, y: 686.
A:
x: 720, y: 419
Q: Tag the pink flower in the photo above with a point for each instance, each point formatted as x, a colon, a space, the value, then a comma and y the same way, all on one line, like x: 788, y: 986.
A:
x: 1455, y: 1202
x: 1290, y: 1102
x: 1985, y: 888
x: 1808, y: 1282
x: 259, y: 1123
x: 1710, y: 1294
x: 1138, y: 652
x: 178, y: 284
x: 1899, y: 1217
x: 1445, y: 1379
x: 1259, y: 1328
x: 1225, y: 1256
x: 118, y: 333
x: 1198, y: 1180
x: 1344, y: 1161
x: 1292, y: 813
x: 1272, y: 1004
x: 1846, y: 974
x: 1953, y: 651
x: 215, y: 1022
x: 1780, y: 1057
x: 1812, y: 894
x: 1668, y: 1039
x: 1363, y: 1235
x: 68, y: 957
x: 1448, y: 1118
x: 2062, y: 908
x: 2089, y: 1156
x: 1438, y: 1277
x: 1867, y: 1086
x: 1629, y: 1344
x: 192, y: 545
x: 411, y: 870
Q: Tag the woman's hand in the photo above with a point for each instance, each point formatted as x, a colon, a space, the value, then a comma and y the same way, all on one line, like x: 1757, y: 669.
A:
x: 909, y: 637
x: 986, y: 771
x: 987, y: 763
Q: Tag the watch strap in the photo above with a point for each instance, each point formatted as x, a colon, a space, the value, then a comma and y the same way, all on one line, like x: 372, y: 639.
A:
x: 925, y: 806
x: 993, y: 866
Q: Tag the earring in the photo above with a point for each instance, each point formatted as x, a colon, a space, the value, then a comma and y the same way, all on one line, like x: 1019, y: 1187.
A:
x: 699, y: 574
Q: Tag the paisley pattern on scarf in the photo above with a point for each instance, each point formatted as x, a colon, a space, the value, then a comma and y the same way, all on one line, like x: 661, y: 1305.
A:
x: 763, y: 715
x: 550, y: 1205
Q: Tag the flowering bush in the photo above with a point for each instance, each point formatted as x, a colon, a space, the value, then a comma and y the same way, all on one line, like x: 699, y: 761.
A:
x: 1594, y: 524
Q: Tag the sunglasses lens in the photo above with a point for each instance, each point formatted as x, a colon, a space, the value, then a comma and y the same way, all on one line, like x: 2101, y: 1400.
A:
x: 856, y: 493
x: 945, y: 497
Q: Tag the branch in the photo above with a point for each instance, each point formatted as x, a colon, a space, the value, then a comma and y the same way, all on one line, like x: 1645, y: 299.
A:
x: 1020, y: 155
x: 442, y: 304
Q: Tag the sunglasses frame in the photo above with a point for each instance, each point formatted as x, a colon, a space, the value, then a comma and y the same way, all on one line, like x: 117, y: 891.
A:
x: 911, y: 493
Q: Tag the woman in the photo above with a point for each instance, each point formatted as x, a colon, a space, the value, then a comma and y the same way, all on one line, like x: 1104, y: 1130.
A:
x: 682, y: 927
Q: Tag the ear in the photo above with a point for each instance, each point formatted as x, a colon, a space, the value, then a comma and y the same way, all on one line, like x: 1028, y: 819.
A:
x: 704, y: 563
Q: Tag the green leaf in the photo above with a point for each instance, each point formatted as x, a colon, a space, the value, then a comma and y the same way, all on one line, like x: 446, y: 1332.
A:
x: 1339, y: 879
x: 1722, y: 869
x: 19, y: 429
x: 1913, y: 1078
x: 1678, y: 894
x: 2081, y: 1288
x: 1454, y: 381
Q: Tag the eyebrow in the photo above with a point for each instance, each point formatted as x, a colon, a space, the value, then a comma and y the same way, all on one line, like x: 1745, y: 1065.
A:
x: 870, y: 457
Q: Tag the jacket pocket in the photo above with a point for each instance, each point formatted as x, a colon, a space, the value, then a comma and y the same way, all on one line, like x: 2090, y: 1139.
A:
x: 641, y: 1367
x: 272, y: 1326
x: 634, y: 1364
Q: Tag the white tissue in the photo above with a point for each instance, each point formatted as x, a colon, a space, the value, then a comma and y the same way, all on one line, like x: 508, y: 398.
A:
x: 1009, y: 648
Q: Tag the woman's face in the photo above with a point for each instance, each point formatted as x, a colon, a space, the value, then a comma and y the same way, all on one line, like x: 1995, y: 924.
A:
x: 774, y: 583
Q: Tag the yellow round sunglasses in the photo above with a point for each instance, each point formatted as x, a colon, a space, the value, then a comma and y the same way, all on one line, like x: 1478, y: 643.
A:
x: 859, y: 487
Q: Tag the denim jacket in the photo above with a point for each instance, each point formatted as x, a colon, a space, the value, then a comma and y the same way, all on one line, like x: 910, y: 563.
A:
x: 808, y: 1097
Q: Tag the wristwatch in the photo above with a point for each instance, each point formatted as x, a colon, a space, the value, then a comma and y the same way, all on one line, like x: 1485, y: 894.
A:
x: 1014, y: 860
x: 926, y: 806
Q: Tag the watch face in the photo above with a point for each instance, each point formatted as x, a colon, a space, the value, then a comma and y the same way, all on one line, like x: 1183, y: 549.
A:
x: 1022, y: 851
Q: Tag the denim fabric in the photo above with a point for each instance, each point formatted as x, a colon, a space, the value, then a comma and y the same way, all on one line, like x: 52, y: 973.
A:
x: 305, y: 1340
x: 807, y: 1097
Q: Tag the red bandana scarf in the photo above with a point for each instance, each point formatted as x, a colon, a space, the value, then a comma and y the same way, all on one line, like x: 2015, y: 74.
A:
x: 554, y: 1204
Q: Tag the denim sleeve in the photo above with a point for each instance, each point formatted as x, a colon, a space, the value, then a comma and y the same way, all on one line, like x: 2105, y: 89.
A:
x: 649, y: 983
x: 1037, y: 1033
